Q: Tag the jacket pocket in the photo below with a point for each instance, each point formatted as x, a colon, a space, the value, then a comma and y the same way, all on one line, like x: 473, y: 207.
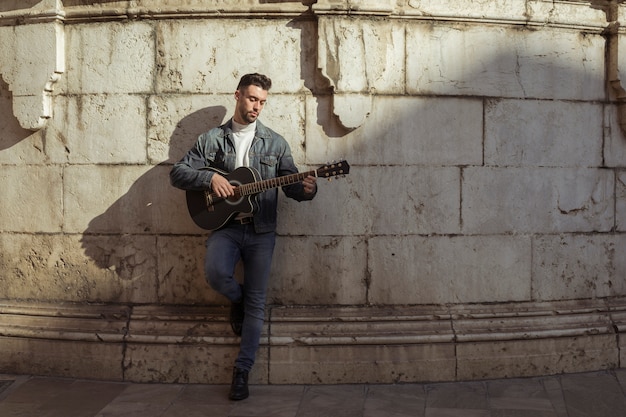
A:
x: 216, y: 160
x: 268, y: 166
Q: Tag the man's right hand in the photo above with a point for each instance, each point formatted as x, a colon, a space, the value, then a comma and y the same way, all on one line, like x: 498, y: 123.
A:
x: 221, y: 186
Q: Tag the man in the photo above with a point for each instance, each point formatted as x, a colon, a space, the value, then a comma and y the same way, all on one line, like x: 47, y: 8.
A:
x: 242, y: 141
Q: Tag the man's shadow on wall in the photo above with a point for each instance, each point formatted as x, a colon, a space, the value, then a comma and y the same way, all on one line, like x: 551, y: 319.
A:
x: 11, y: 133
x: 24, y: 4
x: 123, y: 238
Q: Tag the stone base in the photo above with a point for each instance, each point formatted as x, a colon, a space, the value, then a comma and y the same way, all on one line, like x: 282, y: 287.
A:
x: 314, y: 345
x: 81, y: 341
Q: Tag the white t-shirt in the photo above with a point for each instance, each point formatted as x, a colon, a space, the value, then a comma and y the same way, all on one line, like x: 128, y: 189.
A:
x: 242, y: 137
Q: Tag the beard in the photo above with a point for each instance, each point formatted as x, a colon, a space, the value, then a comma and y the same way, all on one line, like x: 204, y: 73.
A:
x: 250, y: 117
x: 247, y: 116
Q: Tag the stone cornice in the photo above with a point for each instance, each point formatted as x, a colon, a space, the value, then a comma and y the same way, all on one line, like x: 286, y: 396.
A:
x: 432, y: 328
x: 351, y: 88
x: 580, y: 15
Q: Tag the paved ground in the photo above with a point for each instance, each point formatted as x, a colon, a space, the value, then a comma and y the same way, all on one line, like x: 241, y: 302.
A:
x: 595, y: 394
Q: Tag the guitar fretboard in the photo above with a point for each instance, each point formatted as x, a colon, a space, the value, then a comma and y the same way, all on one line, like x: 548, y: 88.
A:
x: 264, y: 185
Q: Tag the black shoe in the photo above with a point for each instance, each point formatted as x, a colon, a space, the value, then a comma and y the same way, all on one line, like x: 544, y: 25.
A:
x: 239, y: 386
x: 237, y: 313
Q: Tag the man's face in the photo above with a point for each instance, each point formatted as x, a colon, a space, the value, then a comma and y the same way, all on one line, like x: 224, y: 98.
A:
x: 250, y: 102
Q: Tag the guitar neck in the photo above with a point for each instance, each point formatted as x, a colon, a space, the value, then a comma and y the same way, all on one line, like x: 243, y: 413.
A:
x: 264, y: 185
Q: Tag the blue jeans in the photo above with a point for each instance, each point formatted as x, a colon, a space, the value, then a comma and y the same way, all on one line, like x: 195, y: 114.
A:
x: 224, y: 248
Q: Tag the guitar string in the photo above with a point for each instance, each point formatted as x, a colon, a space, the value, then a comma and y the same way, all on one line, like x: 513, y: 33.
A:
x: 260, y: 186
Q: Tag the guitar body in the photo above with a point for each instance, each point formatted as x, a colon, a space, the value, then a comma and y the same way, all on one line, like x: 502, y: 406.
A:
x: 212, y: 213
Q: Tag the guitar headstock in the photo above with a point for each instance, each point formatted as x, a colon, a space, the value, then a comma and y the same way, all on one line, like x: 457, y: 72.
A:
x: 334, y: 169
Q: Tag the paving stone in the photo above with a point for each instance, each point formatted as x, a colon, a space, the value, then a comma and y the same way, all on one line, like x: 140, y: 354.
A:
x: 395, y: 401
x: 338, y: 401
x: 583, y: 392
x: 592, y: 394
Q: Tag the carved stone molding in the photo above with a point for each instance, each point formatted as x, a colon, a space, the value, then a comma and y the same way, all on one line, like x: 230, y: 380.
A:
x: 32, y: 45
x: 615, y: 63
x: 369, y: 7
x: 32, y: 58
x: 342, y: 57
x: 315, y: 344
x: 344, y: 45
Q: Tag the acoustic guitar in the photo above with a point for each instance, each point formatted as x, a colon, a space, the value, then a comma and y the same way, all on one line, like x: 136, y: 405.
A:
x: 212, y: 212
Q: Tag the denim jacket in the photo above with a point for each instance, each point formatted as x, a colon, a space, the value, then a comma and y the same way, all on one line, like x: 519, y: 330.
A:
x: 269, y: 154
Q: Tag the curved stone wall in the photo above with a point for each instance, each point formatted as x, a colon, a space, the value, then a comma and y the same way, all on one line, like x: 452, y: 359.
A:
x: 480, y: 232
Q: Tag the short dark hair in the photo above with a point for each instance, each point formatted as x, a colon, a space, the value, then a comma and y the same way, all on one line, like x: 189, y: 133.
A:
x: 259, y: 80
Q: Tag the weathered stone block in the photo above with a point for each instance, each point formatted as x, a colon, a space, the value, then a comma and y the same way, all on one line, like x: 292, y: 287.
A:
x: 614, y: 139
x: 425, y: 200
x: 17, y: 143
x: 185, y: 345
x: 122, y: 199
x: 59, y: 339
x: 32, y: 198
x: 362, y: 55
x: 318, y: 270
x: 72, y: 359
x: 207, y: 363
x: 499, y: 61
x: 578, y: 266
x: 337, y: 209
x: 205, y: 56
x: 31, y: 58
x: 543, y: 133
x: 539, y: 339
x: 618, y: 316
x: 106, y: 129
x: 25, y: 145
x: 523, y: 358
x: 181, y: 277
x: 101, y: 268
x: 620, y: 204
x: 353, y: 365
x: 332, y: 345
x: 442, y: 269
x: 110, y: 58
x: 537, y: 200
x: 400, y: 131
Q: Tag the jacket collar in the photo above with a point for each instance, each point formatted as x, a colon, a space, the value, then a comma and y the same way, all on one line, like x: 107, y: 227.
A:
x: 262, y: 132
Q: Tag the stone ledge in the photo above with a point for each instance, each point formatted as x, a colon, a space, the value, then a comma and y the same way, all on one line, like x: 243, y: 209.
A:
x: 586, y: 17
x: 67, y: 322
x: 309, y: 345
